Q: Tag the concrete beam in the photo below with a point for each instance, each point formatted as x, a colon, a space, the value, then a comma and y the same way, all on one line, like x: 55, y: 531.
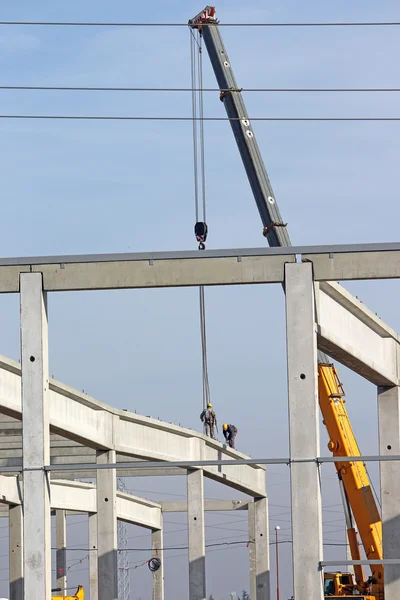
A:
x: 157, y: 552
x: 156, y: 472
x: 261, y: 541
x: 303, y: 431
x: 212, y: 267
x: 389, y: 443
x: 252, y: 550
x: 197, y: 550
x: 163, y: 273
x: 209, y: 505
x: 351, y: 334
x: 61, y: 552
x: 70, y: 495
x: 16, y: 547
x: 138, y: 511
x: 93, y: 558
x: 79, y: 417
x: 36, y: 437
x: 74, y: 496
x: 107, y: 529
x: 334, y: 266
x: 10, y: 492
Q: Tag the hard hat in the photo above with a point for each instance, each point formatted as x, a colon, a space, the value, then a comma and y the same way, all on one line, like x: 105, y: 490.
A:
x: 224, y: 426
x: 209, y: 405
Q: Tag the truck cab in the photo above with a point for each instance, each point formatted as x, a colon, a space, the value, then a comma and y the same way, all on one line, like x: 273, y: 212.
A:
x: 341, y: 585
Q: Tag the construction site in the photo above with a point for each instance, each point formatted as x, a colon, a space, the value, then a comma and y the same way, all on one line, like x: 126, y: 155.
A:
x: 66, y: 454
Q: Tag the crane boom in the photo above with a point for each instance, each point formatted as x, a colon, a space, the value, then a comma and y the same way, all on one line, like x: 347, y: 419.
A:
x: 231, y: 96
x: 342, y: 441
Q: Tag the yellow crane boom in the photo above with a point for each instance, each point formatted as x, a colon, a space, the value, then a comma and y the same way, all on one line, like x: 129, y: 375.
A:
x: 354, y: 476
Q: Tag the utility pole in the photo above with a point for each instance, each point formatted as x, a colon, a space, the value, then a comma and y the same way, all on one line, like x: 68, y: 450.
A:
x: 124, y: 582
x: 278, y: 593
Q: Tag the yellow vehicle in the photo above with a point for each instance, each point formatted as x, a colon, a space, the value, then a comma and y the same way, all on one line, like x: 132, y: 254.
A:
x: 341, y: 585
x: 80, y: 595
x: 358, y: 498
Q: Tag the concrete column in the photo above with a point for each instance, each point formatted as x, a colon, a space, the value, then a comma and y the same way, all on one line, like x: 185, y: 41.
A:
x: 389, y: 444
x: 107, y: 528
x: 35, y: 438
x: 157, y: 552
x: 16, y: 552
x: 197, y: 551
x: 61, y: 552
x: 93, y: 571
x: 252, y: 549
x: 261, y: 538
x: 303, y: 431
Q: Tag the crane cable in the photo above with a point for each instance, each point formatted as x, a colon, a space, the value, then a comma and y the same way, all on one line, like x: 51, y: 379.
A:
x: 199, y: 188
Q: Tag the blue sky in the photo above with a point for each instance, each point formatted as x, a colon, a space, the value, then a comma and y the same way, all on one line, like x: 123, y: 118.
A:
x: 87, y: 187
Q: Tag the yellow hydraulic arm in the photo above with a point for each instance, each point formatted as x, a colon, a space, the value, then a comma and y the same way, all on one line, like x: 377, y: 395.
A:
x: 80, y: 595
x: 353, y: 475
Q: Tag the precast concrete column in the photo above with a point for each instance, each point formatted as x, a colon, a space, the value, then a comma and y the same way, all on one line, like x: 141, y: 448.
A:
x: 35, y: 438
x: 389, y: 444
x: 61, y: 552
x: 261, y: 542
x: 303, y: 431
x: 157, y: 552
x: 107, y: 527
x: 93, y: 570
x: 252, y: 549
x: 197, y: 551
x: 16, y: 552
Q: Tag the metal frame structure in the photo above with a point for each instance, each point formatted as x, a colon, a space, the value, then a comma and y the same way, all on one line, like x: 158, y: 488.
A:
x: 319, y: 313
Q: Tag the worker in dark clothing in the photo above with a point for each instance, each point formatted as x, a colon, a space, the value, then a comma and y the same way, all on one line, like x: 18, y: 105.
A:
x: 230, y: 432
x: 209, y: 419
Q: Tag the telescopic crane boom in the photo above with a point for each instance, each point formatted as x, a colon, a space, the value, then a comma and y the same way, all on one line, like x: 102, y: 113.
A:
x: 359, y: 498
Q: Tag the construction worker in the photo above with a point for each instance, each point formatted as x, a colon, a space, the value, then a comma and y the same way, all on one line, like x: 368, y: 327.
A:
x: 230, y: 432
x: 209, y: 419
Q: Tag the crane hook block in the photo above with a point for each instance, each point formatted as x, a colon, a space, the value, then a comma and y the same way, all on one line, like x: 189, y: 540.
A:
x: 200, y: 231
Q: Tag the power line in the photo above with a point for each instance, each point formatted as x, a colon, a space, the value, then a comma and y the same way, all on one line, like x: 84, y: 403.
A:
x: 212, y: 545
x: 50, y: 88
x: 127, y: 24
x: 132, y: 118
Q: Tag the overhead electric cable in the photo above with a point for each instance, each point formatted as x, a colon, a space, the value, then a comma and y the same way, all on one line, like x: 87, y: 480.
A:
x: 187, y: 89
x: 128, y: 24
x: 131, y: 118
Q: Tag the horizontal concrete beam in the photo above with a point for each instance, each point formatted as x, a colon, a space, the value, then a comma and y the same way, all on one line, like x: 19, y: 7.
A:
x: 74, y: 496
x: 335, y: 266
x: 147, y: 513
x: 351, y: 334
x: 209, y: 505
x: 10, y: 491
x: 77, y: 416
x: 210, y: 267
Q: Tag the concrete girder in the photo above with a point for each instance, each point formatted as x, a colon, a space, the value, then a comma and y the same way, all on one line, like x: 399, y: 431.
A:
x: 212, y: 267
x: 81, y: 497
x: 86, y: 420
x: 303, y: 432
x: 209, y: 505
x: 351, y: 334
